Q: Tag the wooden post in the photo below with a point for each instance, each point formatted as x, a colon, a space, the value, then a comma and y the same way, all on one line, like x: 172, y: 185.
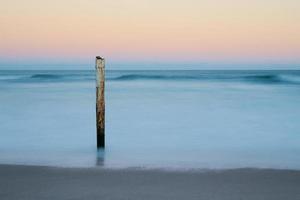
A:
x: 100, y: 102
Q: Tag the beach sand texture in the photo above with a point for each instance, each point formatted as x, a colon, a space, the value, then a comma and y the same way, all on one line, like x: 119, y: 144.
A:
x: 28, y: 182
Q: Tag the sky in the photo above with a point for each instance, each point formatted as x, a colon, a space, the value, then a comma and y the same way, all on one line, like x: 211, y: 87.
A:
x: 150, y: 33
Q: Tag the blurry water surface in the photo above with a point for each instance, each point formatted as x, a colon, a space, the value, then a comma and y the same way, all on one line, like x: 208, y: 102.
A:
x: 164, y: 119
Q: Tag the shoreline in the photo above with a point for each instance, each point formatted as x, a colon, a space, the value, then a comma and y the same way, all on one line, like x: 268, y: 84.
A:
x: 42, y: 182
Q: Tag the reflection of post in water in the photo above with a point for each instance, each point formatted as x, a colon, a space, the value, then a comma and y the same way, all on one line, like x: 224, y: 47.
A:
x: 100, y: 157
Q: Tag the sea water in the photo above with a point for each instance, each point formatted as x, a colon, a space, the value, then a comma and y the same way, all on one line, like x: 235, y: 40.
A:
x: 154, y: 119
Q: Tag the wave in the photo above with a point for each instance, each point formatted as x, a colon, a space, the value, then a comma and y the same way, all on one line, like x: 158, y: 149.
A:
x: 218, y: 76
x: 40, y: 77
x: 152, y: 77
x: 290, y: 78
x: 264, y: 78
x: 279, y: 78
x: 45, y: 76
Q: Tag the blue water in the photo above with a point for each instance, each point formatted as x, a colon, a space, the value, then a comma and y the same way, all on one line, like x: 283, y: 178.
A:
x: 159, y: 119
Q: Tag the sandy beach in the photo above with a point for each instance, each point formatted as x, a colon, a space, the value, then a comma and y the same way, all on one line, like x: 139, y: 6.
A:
x: 32, y: 182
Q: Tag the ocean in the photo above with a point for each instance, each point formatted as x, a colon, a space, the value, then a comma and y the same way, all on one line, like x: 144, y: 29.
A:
x: 195, y: 119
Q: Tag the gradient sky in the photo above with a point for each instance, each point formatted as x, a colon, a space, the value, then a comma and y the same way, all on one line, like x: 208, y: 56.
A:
x: 53, y: 32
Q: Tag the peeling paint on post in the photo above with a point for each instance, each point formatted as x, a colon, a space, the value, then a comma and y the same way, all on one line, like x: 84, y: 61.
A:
x: 100, y: 101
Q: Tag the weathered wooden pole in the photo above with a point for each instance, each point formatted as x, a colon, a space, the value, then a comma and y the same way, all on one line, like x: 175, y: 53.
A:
x: 100, y: 101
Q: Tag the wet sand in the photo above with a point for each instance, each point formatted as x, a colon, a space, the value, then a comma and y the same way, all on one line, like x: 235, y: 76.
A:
x: 32, y: 182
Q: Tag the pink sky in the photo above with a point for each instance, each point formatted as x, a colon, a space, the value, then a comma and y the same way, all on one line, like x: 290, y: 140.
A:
x: 144, y: 30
